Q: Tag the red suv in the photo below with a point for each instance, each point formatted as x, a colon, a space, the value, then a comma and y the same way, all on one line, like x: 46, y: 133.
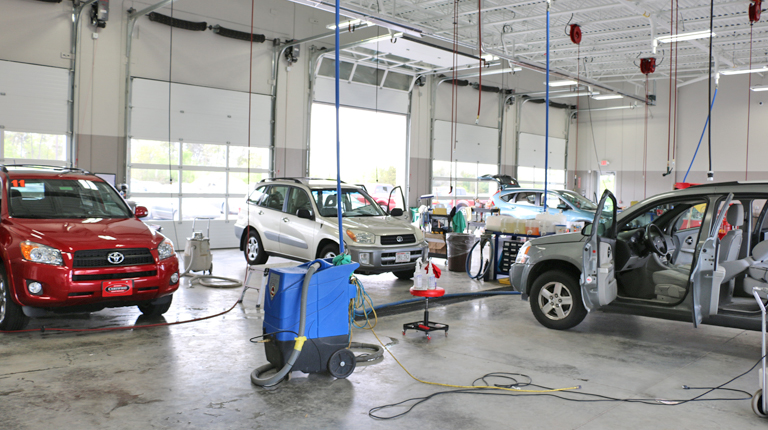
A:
x: 69, y: 242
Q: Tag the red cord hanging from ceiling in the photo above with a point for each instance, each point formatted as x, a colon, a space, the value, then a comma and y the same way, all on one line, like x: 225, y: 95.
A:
x: 645, y: 134
x: 674, y: 121
x: 480, y: 51
x: 754, y: 16
x: 669, y: 116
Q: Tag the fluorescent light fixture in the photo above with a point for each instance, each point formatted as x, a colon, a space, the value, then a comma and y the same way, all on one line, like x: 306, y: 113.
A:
x: 743, y: 71
x: 563, y: 83
x: 686, y: 36
x: 760, y: 88
x: 608, y: 97
x: 385, y: 36
x: 354, y: 23
x: 490, y: 72
x: 489, y: 57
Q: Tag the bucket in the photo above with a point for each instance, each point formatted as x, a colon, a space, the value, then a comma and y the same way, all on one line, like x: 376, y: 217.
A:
x: 459, y: 245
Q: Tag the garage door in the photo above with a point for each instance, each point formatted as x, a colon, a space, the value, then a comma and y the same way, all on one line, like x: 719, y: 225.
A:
x: 33, y: 113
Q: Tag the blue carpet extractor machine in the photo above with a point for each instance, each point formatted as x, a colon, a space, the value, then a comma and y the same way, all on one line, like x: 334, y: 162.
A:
x: 306, y: 321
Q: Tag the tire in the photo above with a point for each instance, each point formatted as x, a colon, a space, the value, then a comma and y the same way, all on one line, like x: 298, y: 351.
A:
x: 11, y: 316
x: 254, y: 250
x: 556, y: 301
x: 342, y: 363
x: 329, y: 251
x: 405, y: 274
x: 151, y: 309
x: 757, y: 404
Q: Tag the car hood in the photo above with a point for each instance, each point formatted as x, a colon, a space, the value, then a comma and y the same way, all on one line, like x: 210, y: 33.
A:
x: 558, y: 238
x: 76, y: 234
x: 378, y: 225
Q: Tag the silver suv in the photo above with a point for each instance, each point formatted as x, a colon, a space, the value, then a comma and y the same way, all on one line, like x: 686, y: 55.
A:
x: 689, y: 255
x: 296, y: 218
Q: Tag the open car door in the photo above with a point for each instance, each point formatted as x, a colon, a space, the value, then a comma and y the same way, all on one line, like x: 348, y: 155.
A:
x: 598, y: 281
x: 707, y: 276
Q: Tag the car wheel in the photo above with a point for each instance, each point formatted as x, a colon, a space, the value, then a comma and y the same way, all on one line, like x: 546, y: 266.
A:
x: 154, y: 309
x: 11, y: 315
x: 254, y: 251
x: 556, y: 301
x: 329, y: 251
x: 405, y: 274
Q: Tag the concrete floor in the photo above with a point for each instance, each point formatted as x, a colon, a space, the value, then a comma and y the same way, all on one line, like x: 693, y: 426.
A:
x: 197, y: 375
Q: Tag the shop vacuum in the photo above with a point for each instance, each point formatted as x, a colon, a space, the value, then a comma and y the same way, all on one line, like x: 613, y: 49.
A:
x: 306, y: 321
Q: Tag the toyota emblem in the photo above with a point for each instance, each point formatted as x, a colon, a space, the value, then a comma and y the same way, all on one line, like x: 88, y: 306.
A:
x: 399, y: 239
x: 115, y: 257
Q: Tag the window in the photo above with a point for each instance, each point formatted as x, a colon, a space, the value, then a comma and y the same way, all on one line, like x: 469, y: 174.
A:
x: 528, y: 198
x: 508, y: 197
x: 533, y: 177
x: 18, y: 146
x: 607, y: 181
x: 466, y: 186
x: 298, y: 200
x: 691, y: 218
x: 60, y: 198
x: 276, y: 197
x: 372, y: 145
x: 353, y: 204
x: 257, y: 196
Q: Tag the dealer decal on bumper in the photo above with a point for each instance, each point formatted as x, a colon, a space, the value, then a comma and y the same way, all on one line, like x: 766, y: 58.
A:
x: 117, y: 288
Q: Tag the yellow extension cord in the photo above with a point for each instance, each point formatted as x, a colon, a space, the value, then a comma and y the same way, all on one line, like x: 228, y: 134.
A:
x: 360, y: 301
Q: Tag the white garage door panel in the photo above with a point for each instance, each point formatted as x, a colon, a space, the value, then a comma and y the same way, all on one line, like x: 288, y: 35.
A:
x: 35, y: 98
x: 364, y: 96
x: 198, y: 114
x: 474, y: 144
x: 531, y: 151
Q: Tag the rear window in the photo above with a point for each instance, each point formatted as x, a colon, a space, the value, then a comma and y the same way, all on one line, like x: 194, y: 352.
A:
x: 64, y: 198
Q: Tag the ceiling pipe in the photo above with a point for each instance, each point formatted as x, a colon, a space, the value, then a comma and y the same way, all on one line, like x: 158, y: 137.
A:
x: 74, y: 38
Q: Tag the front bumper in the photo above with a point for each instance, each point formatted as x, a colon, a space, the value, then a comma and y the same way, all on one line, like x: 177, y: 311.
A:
x: 518, y: 278
x: 64, y: 287
x: 382, y: 259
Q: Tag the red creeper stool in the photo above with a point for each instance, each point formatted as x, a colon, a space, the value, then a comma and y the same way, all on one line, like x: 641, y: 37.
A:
x: 426, y: 326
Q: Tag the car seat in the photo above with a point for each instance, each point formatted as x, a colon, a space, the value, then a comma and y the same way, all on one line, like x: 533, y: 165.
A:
x: 757, y: 270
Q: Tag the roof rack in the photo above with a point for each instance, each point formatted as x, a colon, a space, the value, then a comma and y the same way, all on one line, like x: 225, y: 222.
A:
x: 298, y: 180
x: 5, y: 167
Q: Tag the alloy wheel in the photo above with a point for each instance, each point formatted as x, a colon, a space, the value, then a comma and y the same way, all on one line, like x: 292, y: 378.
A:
x: 253, y: 248
x: 555, y: 300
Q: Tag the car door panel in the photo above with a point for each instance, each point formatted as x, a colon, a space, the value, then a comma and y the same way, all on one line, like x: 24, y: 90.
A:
x: 297, y: 235
x: 685, y: 243
x: 598, y: 281
x: 707, y: 276
x: 267, y: 217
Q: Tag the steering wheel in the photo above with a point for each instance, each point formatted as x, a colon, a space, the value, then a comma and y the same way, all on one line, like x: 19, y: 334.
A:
x: 655, y: 240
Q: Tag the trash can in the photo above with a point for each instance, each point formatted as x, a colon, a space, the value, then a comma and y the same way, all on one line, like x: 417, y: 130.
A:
x: 459, y: 245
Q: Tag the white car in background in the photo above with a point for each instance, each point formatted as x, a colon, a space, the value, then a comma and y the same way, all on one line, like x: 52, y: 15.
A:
x: 296, y: 218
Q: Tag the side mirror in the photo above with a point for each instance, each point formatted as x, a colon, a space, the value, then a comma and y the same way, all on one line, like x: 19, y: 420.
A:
x: 304, y: 214
x: 141, y: 211
x: 563, y: 207
x: 396, y: 212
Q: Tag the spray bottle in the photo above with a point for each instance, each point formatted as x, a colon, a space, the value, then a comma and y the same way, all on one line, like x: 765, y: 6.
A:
x: 418, y: 276
x: 431, y: 275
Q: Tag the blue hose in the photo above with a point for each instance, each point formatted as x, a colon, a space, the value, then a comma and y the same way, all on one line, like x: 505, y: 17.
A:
x: 447, y: 296
x: 706, y: 123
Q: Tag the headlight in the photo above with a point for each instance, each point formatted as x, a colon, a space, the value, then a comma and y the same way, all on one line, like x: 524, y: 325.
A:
x: 41, y: 253
x: 165, y: 250
x: 361, y: 236
x: 522, y: 253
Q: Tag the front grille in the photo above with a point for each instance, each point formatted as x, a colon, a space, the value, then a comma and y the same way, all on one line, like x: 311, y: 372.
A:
x: 392, y: 240
x: 98, y: 258
x: 108, y: 276
x: 388, y: 258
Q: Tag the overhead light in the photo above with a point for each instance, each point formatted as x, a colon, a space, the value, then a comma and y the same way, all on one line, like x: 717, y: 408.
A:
x: 608, y: 97
x: 760, y: 88
x: 491, y: 72
x: 743, y: 71
x: 385, y: 36
x: 686, y: 36
x: 352, y: 23
x: 563, y: 83
x: 489, y: 57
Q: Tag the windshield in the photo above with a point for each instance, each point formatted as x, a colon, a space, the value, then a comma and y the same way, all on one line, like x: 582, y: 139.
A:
x: 578, y: 201
x: 354, y: 203
x: 64, y: 198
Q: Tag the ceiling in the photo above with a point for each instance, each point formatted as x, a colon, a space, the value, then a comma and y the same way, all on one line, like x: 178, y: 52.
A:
x: 615, y: 32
